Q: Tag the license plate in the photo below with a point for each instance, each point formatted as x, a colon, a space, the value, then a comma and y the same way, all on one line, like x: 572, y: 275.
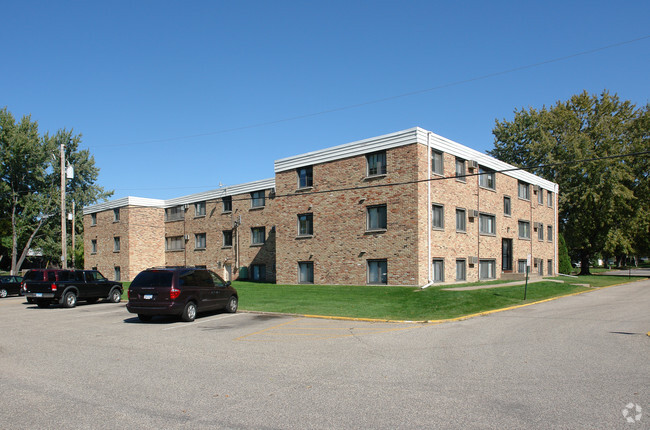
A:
x: 148, y: 296
x: 39, y: 294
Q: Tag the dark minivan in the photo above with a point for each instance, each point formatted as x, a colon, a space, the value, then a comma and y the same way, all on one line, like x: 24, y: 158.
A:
x: 182, y: 291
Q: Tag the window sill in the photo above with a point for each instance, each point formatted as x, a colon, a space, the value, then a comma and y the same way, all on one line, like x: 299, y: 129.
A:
x: 488, y: 234
x: 257, y: 244
x: 199, y: 249
x: 524, y: 238
x: 373, y: 177
x: 304, y: 189
x: 494, y: 190
x: 257, y: 208
x: 199, y: 216
x: 521, y: 198
x: 461, y: 180
x: 304, y: 236
x: 461, y: 231
x: 226, y: 212
x: 375, y: 231
x: 93, y: 253
x: 174, y: 220
x: 174, y: 250
x: 438, y: 228
x: 226, y: 247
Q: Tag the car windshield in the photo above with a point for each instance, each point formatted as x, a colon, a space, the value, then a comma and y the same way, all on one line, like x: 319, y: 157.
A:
x: 153, y: 279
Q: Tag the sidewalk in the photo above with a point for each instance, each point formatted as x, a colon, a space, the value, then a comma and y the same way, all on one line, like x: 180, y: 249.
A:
x: 507, y: 284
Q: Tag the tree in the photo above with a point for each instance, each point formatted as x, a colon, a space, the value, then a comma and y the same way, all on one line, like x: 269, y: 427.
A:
x: 601, y: 201
x: 30, y: 186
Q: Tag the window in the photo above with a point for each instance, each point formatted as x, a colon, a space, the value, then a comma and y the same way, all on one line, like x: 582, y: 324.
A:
x: 199, y: 241
x: 174, y: 214
x: 227, y: 204
x: 521, y: 266
x: 376, y: 163
x: 549, y: 233
x: 540, y: 232
x: 174, y: 243
x: 305, y: 224
x: 507, y: 208
x: 376, y: 218
x: 486, y: 178
x: 306, y: 272
x: 487, y: 269
x: 436, y: 162
x: 378, y: 272
x: 118, y: 273
x: 461, y: 222
x: 257, y: 199
x: 93, y: 246
x: 486, y: 224
x: 524, y: 190
x: 524, y: 230
x: 258, y: 272
x: 460, y: 170
x: 93, y: 219
x: 227, y: 238
x: 438, y: 267
x: 438, y: 217
x: 540, y: 196
x: 549, y: 199
x: 305, y: 177
x: 199, y: 209
x: 258, y: 235
x: 116, y: 215
x: 461, y: 272
x: 549, y: 268
x: 116, y: 244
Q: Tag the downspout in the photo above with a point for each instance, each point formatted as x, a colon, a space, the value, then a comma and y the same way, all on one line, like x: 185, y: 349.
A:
x: 430, y: 280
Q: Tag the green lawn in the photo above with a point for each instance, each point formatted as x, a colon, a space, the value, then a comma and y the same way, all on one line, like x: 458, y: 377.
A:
x: 400, y: 303
x: 392, y: 303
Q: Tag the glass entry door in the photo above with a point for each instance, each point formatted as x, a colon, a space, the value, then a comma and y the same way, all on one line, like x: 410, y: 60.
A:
x: 506, y: 255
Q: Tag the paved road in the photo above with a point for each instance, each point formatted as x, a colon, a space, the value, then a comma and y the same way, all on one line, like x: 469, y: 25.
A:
x: 569, y: 363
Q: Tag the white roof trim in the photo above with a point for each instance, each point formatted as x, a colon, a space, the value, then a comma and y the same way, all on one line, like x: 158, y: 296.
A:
x: 408, y: 137
x: 248, y: 187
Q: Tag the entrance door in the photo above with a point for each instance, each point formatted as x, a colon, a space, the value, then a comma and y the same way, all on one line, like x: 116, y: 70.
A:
x: 506, y: 255
x: 228, y: 271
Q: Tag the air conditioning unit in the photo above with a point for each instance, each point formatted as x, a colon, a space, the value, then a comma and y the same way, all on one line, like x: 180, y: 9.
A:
x: 536, y: 189
x: 472, y: 260
x: 186, y: 207
x: 472, y: 164
x: 187, y: 237
x: 472, y: 213
x: 537, y: 225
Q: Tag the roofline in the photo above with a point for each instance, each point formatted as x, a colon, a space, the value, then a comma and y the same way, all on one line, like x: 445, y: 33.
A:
x: 415, y: 135
x: 248, y: 187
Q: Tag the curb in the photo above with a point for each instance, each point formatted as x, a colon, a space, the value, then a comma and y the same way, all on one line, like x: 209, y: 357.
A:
x: 461, y: 318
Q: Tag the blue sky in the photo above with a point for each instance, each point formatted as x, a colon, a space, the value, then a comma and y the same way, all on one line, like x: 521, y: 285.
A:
x: 174, y: 98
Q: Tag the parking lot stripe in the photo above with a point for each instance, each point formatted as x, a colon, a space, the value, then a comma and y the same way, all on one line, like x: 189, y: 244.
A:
x: 195, y: 322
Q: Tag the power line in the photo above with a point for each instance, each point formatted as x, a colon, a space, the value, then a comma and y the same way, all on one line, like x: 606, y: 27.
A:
x: 385, y: 99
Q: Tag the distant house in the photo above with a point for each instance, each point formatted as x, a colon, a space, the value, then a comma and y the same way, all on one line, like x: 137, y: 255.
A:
x: 407, y: 208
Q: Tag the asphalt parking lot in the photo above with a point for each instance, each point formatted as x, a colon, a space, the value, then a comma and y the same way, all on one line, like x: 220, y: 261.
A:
x: 570, y: 363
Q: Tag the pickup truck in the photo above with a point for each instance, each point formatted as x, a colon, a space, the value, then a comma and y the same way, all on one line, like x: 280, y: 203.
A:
x: 70, y: 286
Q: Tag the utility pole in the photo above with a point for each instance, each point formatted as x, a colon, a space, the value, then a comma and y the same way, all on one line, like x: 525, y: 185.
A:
x: 64, y: 253
x: 73, y: 234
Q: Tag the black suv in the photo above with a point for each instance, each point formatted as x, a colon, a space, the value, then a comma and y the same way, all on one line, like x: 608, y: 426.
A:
x: 182, y: 291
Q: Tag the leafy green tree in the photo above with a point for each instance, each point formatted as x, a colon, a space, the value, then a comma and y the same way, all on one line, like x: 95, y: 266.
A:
x: 30, y: 186
x: 600, y: 200
x: 564, y: 261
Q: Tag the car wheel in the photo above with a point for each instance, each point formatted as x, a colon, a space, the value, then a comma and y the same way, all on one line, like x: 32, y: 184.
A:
x: 189, y: 313
x: 233, y: 303
x: 43, y: 304
x: 3, y: 293
x: 115, y: 296
x: 70, y: 300
x: 144, y: 318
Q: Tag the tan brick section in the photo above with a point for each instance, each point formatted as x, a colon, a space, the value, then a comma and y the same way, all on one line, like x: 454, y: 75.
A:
x: 341, y: 245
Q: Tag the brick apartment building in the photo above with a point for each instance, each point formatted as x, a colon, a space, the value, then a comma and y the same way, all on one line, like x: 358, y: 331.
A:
x: 407, y: 208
